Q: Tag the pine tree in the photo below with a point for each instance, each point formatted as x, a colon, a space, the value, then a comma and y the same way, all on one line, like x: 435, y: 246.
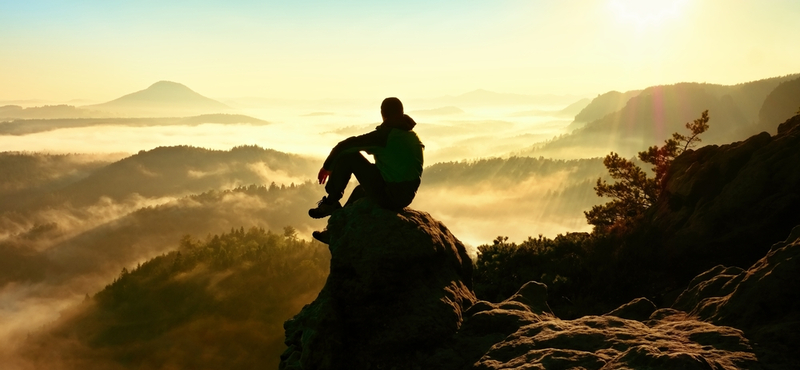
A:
x: 634, y: 192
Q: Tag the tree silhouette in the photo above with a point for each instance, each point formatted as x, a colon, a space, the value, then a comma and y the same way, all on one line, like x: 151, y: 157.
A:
x: 634, y: 192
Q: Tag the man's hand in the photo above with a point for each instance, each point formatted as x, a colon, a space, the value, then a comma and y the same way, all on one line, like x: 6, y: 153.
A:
x: 323, y: 175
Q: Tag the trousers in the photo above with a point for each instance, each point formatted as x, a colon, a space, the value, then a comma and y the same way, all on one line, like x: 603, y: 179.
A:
x: 371, y: 183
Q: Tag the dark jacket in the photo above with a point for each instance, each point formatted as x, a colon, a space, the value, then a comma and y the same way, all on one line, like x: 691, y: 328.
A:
x: 398, y: 155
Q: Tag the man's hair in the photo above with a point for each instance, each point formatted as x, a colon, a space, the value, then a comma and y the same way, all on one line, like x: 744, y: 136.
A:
x: 391, y: 107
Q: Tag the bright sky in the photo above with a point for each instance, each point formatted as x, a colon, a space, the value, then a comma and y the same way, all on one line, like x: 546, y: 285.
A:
x: 99, y: 49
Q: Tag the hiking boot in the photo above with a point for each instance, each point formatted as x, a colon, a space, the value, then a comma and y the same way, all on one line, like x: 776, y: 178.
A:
x: 324, y: 208
x: 322, y: 236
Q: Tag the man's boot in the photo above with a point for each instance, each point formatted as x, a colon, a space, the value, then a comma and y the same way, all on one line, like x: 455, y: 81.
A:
x: 322, y: 236
x: 324, y: 208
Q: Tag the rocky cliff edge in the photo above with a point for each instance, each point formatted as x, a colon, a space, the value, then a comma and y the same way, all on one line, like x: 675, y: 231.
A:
x: 398, y: 287
x: 398, y: 297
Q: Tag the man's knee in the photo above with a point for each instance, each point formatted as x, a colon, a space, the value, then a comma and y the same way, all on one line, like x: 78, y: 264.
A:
x: 350, y: 159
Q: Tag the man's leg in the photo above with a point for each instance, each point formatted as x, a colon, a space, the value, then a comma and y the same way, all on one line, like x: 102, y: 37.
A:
x: 358, y: 193
x: 346, y: 165
x: 370, y: 181
x: 369, y: 178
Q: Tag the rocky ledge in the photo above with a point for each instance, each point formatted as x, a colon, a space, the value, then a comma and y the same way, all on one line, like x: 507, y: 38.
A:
x: 398, y: 287
x: 398, y: 297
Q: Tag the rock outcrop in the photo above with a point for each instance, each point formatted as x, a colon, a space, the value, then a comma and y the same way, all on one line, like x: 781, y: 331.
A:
x: 398, y: 297
x: 763, y: 300
x: 517, y: 335
x: 398, y: 287
x: 638, y: 309
x: 672, y: 341
x: 727, y: 204
x: 399, y: 292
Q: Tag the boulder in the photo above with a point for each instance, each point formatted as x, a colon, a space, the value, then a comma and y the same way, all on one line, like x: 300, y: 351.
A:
x: 609, y: 342
x: 763, y: 300
x: 767, y: 291
x: 528, y: 305
x: 656, y: 339
x: 398, y: 287
x: 487, y: 324
x: 638, y: 309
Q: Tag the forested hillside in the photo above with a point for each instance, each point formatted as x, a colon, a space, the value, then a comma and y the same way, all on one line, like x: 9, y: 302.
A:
x: 214, y: 303
x: 721, y: 205
x: 655, y: 113
x: 39, y: 185
x: 55, y: 253
x: 781, y: 104
x: 34, y: 174
x: 522, y: 195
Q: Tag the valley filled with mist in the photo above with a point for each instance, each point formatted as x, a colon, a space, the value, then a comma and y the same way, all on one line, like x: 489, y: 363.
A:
x: 167, y: 193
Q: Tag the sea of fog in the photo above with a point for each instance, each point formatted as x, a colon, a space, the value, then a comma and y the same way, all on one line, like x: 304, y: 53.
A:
x: 311, y: 130
x: 475, y: 214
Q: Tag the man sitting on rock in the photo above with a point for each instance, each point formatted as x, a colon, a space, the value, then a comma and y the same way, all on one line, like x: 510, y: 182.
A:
x: 393, y: 180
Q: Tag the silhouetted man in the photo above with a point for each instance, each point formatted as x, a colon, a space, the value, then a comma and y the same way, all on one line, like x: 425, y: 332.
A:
x: 394, y: 178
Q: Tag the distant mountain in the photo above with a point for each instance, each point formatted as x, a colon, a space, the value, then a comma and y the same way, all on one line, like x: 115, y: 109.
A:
x: 654, y: 114
x: 27, y: 102
x: 481, y: 97
x: 9, y: 112
x: 570, y: 111
x: 781, y: 104
x: 609, y: 102
x: 163, y: 98
x: 443, y: 111
x: 32, y: 126
x: 317, y: 114
x: 576, y: 107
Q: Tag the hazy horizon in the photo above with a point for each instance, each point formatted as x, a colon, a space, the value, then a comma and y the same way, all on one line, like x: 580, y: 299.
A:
x: 316, y: 50
x: 490, y: 85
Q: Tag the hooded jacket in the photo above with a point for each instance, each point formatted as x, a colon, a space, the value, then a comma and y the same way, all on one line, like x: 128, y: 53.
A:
x: 397, y: 149
x: 398, y: 153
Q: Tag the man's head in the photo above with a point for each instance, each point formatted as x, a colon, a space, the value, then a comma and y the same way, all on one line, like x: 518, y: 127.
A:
x: 391, y: 107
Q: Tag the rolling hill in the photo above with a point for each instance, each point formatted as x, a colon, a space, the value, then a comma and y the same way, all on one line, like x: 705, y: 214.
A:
x: 184, y: 170
x: 35, y: 192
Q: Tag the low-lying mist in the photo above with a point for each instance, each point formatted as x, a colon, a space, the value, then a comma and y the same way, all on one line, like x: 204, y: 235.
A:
x: 476, y: 132
x: 185, y: 242
x: 215, y: 303
x: 68, y: 227
x: 46, y: 275
x: 515, y: 197
x: 70, y: 223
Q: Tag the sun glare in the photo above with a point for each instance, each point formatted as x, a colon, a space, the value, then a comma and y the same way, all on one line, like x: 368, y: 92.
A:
x: 645, y: 13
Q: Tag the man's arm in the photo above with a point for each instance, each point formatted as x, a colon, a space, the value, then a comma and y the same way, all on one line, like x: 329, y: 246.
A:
x: 377, y: 138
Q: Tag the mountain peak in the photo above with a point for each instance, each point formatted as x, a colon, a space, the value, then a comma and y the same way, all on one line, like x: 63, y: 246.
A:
x: 163, y: 84
x: 167, y: 91
x: 164, y: 97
